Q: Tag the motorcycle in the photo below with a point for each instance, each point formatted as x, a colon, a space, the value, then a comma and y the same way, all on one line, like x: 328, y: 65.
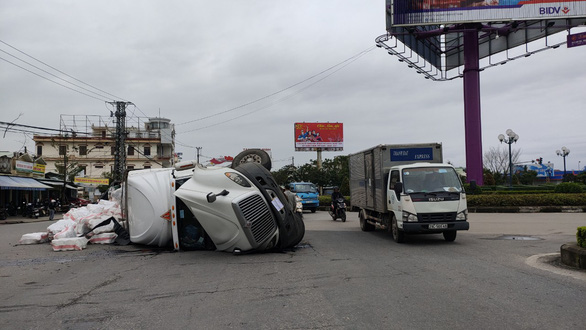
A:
x: 31, y: 211
x: 338, y: 209
x: 3, y: 213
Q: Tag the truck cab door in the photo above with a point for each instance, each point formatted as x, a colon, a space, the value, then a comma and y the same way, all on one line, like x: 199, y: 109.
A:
x: 393, y: 199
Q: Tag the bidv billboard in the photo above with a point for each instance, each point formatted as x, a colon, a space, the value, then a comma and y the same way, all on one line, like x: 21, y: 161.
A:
x: 314, y: 136
x: 433, y: 12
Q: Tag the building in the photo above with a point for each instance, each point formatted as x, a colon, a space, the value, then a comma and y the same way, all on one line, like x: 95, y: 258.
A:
x: 87, y: 145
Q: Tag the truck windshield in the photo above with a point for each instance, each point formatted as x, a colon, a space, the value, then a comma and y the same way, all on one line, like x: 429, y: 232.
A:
x: 431, y: 179
x: 305, y: 188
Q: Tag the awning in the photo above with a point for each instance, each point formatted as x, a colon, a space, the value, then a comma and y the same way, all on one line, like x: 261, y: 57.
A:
x: 20, y: 183
x: 58, y: 184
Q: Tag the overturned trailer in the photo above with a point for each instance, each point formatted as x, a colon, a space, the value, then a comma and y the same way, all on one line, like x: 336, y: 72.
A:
x: 237, y: 209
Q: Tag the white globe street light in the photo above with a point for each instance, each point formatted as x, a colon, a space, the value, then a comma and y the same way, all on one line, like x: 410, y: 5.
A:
x: 511, y: 138
x: 564, y: 153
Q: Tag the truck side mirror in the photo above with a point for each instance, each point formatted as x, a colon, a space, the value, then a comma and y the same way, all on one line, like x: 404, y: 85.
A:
x: 398, y: 188
x: 211, y: 197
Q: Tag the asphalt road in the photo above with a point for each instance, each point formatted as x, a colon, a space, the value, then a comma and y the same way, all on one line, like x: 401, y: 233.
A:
x: 339, y: 278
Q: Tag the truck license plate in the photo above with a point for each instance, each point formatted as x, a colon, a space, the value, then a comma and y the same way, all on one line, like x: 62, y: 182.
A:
x: 438, y: 226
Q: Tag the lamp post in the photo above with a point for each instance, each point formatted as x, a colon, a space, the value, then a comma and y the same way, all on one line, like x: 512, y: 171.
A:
x: 564, y: 152
x: 511, y: 138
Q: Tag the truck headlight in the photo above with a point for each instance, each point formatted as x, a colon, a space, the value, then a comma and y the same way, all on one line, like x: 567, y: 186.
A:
x: 239, y: 179
x: 462, y: 216
x: 409, y: 217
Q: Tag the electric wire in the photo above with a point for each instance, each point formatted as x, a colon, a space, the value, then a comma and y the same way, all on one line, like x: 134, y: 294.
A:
x: 354, y: 58
x: 20, y: 51
x: 351, y: 59
x: 75, y: 90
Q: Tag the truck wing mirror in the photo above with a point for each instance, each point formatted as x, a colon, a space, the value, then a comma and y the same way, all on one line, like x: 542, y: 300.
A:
x: 398, y: 188
x: 211, y: 197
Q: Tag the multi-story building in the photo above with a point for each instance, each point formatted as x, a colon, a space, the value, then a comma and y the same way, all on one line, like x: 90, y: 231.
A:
x: 89, y: 142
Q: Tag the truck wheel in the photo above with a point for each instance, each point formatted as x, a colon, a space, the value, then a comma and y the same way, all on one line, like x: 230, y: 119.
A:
x: 398, y: 236
x: 364, y: 225
x: 253, y: 156
x: 450, y: 236
x: 313, y: 210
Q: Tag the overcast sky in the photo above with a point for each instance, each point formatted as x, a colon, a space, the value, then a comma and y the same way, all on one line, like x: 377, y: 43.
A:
x: 202, y: 64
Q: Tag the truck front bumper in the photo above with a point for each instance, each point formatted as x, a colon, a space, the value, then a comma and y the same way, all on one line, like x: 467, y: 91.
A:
x: 424, y: 227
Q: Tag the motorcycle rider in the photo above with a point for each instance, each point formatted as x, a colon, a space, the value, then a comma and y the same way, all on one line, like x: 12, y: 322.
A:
x: 335, y: 196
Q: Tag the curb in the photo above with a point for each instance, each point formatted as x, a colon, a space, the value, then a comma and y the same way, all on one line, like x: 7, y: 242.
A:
x: 573, y: 255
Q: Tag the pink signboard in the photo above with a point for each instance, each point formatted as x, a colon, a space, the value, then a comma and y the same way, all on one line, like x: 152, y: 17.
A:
x: 314, y: 136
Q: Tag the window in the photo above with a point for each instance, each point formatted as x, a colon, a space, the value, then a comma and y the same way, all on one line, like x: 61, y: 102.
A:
x: 99, y: 146
x: 394, y: 178
x: 103, y: 134
x: 82, y: 150
x: 130, y: 151
x: 112, y: 151
x: 130, y: 167
x: 147, y: 151
x: 147, y: 166
x: 39, y: 151
x: 62, y: 150
x: 99, y: 166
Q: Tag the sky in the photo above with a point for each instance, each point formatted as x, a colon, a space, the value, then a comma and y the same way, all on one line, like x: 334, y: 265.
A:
x: 239, y: 74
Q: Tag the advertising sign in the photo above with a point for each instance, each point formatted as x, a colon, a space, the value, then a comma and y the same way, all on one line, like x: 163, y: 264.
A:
x: 434, y: 12
x: 577, y: 39
x: 104, y: 182
x: 24, y: 166
x: 323, y: 136
x: 412, y: 154
x: 39, y: 169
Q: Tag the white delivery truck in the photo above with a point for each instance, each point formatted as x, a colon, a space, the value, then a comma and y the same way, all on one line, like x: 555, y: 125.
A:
x: 406, y: 189
x: 238, y: 209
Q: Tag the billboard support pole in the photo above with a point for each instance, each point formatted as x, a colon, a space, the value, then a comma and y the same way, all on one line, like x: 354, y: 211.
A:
x: 319, y: 158
x: 473, y: 132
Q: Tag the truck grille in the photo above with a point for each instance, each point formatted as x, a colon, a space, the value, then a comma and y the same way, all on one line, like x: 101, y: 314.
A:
x: 436, y: 217
x: 257, y: 217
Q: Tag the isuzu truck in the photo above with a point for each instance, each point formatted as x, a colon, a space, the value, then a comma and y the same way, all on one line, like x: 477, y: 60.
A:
x: 406, y: 189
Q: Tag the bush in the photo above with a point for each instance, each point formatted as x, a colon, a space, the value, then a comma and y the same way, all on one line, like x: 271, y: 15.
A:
x: 468, y: 189
x: 581, y: 237
x: 549, y: 199
x: 568, y: 187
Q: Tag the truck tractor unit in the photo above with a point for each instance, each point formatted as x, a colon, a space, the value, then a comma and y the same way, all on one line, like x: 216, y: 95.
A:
x: 239, y: 209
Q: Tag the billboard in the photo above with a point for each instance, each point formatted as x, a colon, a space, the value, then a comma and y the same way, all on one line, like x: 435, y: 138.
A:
x: 434, y: 12
x: 323, y: 136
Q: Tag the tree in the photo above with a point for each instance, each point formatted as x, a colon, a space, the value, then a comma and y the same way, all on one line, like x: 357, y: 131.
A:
x: 496, y: 160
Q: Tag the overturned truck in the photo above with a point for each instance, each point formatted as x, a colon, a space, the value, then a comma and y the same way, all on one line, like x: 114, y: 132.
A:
x: 237, y: 209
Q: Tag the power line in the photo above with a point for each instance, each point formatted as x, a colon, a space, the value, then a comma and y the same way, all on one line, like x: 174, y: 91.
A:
x: 20, y: 51
x: 75, y: 90
x: 351, y: 59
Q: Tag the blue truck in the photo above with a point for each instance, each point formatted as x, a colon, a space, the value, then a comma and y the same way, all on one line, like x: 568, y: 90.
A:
x: 308, y: 193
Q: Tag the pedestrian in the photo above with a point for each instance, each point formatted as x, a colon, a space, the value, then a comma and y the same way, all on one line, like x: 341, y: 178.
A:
x: 291, y: 197
x: 52, y: 209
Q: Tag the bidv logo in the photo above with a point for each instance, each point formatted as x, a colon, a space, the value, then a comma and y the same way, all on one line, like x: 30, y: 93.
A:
x: 553, y: 10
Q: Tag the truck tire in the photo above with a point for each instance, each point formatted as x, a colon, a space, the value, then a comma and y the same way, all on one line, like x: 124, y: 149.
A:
x: 313, y: 210
x: 398, y: 236
x: 450, y: 236
x: 253, y: 156
x: 364, y: 225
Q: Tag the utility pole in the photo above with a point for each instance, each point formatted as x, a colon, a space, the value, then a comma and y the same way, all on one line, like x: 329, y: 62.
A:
x: 197, y: 153
x: 120, y: 149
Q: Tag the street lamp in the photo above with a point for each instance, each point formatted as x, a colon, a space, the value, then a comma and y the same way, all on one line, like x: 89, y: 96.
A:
x: 509, y: 139
x: 565, y: 152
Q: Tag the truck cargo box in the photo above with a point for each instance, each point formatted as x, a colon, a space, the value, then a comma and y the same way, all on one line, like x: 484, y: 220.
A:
x: 369, y: 170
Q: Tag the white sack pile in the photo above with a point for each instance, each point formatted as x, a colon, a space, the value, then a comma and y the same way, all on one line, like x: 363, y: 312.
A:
x: 65, y: 234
